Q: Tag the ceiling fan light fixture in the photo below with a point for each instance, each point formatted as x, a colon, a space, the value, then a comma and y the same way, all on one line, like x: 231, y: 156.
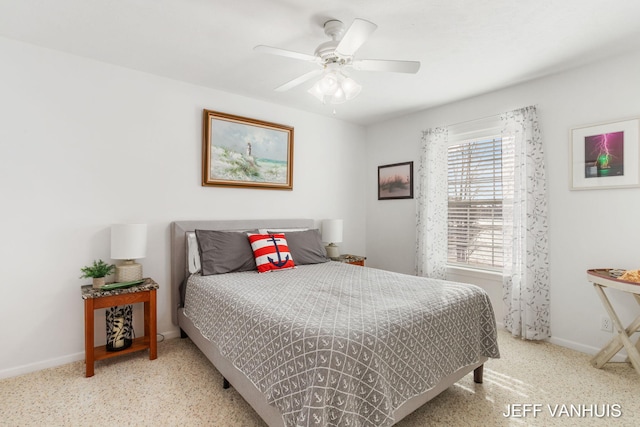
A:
x: 328, y: 84
x: 316, y: 91
x: 351, y: 88
x: 338, y: 97
x: 335, y: 87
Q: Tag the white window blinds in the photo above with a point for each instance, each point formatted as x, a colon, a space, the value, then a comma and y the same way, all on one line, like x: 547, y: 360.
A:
x: 475, y: 195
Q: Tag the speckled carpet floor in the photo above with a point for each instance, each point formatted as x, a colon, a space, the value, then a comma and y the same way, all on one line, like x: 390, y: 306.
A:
x: 181, y: 388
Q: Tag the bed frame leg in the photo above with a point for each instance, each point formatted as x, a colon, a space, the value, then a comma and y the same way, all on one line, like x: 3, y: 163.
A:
x: 225, y: 383
x: 183, y: 334
x: 477, y: 374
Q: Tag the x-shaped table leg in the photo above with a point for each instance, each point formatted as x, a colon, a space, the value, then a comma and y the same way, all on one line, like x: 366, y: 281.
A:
x: 620, y: 340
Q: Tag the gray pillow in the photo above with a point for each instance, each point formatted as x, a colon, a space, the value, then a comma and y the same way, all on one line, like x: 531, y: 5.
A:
x: 305, y: 246
x: 224, y: 252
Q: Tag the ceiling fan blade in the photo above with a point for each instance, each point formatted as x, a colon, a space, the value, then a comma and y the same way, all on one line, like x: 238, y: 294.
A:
x: 356, y: 35
x: 284, y: 52
x: 299, y: 80
x: 387, y: 65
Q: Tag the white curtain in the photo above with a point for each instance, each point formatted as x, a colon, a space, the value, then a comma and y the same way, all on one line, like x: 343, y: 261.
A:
x: 525, y: 227
x: 431, y: 213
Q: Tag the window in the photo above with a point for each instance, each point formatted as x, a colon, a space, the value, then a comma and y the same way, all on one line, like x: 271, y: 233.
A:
x: 475, y: 194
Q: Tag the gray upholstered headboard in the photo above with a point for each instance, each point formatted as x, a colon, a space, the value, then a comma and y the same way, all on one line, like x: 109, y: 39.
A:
x: 179, y: 250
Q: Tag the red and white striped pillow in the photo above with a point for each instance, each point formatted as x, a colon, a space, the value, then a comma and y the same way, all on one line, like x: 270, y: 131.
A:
x: 271, y: 252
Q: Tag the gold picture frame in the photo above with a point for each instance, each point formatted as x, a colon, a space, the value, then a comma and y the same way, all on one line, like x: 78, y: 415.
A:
x: 248, y: 153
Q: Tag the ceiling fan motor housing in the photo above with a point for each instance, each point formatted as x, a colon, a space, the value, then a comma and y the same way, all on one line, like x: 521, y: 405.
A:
x: 334, y: 29
x: 327, y: 50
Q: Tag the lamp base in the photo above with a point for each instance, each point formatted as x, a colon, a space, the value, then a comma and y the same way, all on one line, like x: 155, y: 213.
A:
x: 128, y: 272
x: 332, y: 250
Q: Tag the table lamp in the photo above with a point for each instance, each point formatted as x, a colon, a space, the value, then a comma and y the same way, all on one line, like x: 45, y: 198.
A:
x: 332, y: 234
x: 128, y: 242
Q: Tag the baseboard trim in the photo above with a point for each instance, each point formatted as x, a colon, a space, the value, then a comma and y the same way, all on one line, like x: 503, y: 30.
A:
x: 169, y: 335
x: 620, y: 357
x: 39, y: 366
x: 64, y: 360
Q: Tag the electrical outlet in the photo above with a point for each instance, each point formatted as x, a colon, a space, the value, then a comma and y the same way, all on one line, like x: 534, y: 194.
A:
x: 605, y: 324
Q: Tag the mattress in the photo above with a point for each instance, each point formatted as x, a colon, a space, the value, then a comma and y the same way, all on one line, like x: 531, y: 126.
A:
x: 337, y: 344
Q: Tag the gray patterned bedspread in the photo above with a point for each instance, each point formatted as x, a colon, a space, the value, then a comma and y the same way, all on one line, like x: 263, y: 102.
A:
x: 337, y: 344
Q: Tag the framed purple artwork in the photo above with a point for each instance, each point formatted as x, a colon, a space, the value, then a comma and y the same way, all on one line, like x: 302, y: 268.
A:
x: 605, y: 156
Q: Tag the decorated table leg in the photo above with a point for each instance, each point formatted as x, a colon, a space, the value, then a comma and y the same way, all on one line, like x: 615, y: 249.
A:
x: 619, y: 341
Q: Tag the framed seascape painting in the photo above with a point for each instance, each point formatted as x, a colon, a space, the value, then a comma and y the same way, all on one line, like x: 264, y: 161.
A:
x: 395, y: 181
x: 605, y: 156
x: 242, y: 152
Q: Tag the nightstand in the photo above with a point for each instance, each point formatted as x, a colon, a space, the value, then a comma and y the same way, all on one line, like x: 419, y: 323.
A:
x: 351, y: 259
x: 97, y: 298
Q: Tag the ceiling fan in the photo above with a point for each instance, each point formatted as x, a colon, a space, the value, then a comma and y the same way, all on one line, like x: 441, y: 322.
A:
x: 334, y: 57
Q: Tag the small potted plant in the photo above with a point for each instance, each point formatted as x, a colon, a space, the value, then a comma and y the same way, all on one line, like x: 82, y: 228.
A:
x: 97, y: 272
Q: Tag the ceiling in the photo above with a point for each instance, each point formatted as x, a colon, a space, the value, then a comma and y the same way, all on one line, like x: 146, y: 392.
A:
x: 466, y: 47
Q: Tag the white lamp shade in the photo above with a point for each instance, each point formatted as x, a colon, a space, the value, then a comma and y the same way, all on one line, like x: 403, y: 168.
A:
x: 332, y: 230
x: 128, y: 241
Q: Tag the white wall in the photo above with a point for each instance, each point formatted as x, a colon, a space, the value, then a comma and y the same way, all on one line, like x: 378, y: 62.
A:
x: 84, y: 144
x: 588, y: 229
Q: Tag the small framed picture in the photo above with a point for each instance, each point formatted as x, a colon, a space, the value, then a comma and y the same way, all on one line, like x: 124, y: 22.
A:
x: 395, y: 181
x: 605, y: 156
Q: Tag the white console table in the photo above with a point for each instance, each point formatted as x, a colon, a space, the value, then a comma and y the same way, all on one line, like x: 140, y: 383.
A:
x: 601, y: 279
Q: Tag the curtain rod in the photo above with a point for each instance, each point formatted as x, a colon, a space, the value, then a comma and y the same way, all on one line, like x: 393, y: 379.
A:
x: 474, y: 120
x: 487, y: 117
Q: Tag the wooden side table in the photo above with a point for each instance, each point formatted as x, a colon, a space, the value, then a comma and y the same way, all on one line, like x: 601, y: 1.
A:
x: 601, y: 279
x: 351, y: 259
x: 96, y: 298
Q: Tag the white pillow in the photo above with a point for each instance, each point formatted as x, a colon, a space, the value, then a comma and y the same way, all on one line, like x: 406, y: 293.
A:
x: 279, y: 230
x: 193, y: 253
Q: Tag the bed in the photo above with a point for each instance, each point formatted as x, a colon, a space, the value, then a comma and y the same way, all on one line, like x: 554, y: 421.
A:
x: 329, y: 343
